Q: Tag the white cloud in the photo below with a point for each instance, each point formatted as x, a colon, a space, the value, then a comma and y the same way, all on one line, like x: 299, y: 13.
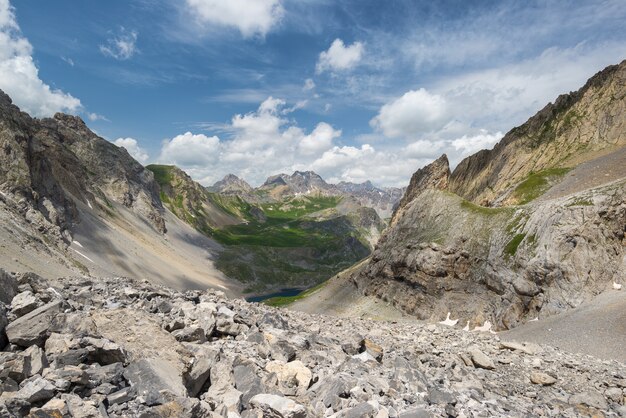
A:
x: 340, y: 57
x: 250, y: 17
x: 309, y: 84
x: 416, y: 112
x: 423, y: 149
x: 121, y: 46
x: 19, y: 77
x: 133, y: 148
x: 94, y: 117
x: 468, y: 145
x: 190, y: 151
x: 319, y: 140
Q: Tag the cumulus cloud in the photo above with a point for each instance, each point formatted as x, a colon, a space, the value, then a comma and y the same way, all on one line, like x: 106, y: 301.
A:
x: 190, y: 151
x: 340, y: 57
x: 468, y: 145
x: 319, y: 140
x: 19, y: 77
x: 121, y: 46
x: 133, y: 148
x: 250, y: 17
x: 416, y: 112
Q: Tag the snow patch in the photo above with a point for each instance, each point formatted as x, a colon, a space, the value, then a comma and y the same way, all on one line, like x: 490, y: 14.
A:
x: 83, y: 255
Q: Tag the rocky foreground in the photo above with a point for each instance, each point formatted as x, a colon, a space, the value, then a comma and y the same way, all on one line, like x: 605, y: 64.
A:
x: 78, y: 347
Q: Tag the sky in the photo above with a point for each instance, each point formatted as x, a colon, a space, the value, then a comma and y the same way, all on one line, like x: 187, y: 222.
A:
x: 354, y: 90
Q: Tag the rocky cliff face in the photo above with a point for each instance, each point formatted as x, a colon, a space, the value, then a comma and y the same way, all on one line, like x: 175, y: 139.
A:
x: 510, y: 264
x: 577, y: 127
x: 114, y: 347
x: 50, y: 166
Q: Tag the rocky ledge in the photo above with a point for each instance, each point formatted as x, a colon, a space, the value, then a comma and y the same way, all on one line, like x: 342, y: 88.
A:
x: 112, y: 347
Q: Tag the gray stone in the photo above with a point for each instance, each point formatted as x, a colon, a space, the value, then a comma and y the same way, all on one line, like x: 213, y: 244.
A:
x: 540, y: 378
x: 277, y: 406
x: 190, y: 334
x: 481, y: 360
x: 229, y: 327
x: 36, y: 359
x: 415, y: 413
x: 362, y: 410
x: 204, y: 359
x: 103, y: 351
x: 590, y: 398
x: 37, y: 390
x: 33, y: 328
x: 247, y: 381
x: 121, y: 396
x: 24, y: 303
x: 154, y: 375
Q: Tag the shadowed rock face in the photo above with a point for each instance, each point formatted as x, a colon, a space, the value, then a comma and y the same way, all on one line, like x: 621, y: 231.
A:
x: 511, y: 263
x: 47, y: 165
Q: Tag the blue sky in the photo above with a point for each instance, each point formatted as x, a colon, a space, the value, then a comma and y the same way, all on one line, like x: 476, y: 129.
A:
x: 354, y: 90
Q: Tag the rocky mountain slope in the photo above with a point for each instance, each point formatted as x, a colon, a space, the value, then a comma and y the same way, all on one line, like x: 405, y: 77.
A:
x: 577, y: 127
x: 112, y: 347
x: 72, y: 202
x: 527, y: 255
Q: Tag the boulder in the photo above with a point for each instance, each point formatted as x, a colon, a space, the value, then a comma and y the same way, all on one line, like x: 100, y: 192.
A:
x: 540, y: 378
x: 293, y: 374
x: 24, y: 303
x: 36, y: 359
x: 155, y: 375
x: 204, y: 359
x: 275, y: 406
x: 481, y: 360
x: 34, y: 328
x: 36, y: 390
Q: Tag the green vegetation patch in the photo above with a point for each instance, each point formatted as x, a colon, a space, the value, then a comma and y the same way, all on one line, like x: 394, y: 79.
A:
x: 288, y: 300
x: 511, y: 247
x: 537, y: 184
x: 162, y: 173
x: 580, y: 201
x: 482, y: 210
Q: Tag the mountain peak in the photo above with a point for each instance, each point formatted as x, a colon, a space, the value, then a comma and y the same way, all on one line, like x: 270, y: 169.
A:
x: 230, y: 184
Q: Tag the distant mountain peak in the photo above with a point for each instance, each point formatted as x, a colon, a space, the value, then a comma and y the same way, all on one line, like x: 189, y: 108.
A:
x: 230, y: 184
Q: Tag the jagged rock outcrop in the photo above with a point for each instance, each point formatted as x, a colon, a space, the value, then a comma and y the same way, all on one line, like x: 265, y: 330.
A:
x: 120, y: 348
x: 576, y: 128
x: 510, y: 264
x: 434, y: 176
x: 49, y: 165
